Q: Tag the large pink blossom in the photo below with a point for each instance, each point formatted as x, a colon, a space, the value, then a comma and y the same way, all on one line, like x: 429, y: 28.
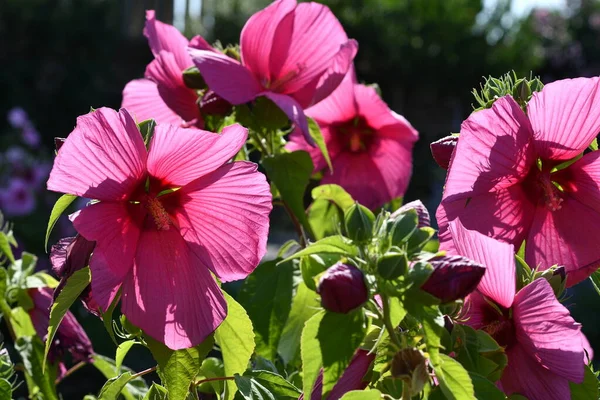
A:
x: 502, y: 179
x: 370, y: 145
x: 294, y: 54
x: 162, y: 95
x: 166, y: 218
x: 544, y: 345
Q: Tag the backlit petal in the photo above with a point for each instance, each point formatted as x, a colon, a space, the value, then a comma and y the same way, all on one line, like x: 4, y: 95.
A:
x: 164, y: 37
x: 143, y: 100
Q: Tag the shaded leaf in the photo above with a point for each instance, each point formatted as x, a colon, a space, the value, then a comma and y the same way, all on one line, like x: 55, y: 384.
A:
x: 113, y: 387
x: 454, y: 380
x: 60, y: 206
x: 329, y: 245
x: 310, y: 351
x: 317, y: 136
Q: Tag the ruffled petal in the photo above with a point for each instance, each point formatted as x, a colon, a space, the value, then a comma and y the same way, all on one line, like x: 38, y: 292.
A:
x: 393, y: 158
x: 504, y: 215
x: 224, y: 217
x: 547, y: 332
x: 164, y: 37
x: 116, y: 229
x: 339, y: 107
x: 499, y: 281
x: 171, y: 88
x: 177, y: 156
x: 293, y: 110
x: 493, y: 151
x: 225, y: 76
x: 142, y: 99
x: 341, y: 65
x: 565, y: 117
x: 566, y: 237
x: 170, y: 294
x: 104, y: 158
x: 525, y: 376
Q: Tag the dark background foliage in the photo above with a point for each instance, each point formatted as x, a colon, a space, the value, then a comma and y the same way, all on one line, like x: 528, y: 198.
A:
x: 59, y: 57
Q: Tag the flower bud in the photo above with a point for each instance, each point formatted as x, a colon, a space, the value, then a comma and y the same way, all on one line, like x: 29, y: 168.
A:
x: 342, y: 288
x: 358, y: 221
x: 521, y: 91
x: 556, y: 277
x: 410, y: 366
x: 453, y: 277
x: 442, y: 150
x: 193, y: 79
x: 58, y: 142
x: 212, y: 104
x: 419, y: 207
x: 403, y: 226
x: 392, y: 265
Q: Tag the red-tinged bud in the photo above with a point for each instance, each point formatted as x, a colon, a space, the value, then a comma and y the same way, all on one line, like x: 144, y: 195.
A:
x: 342, y: 288
x: 556, y: 277
x: 419, y: 207
x: 58, y: 142
x: 442, y: 150
x: 68, y: 256
x: 453, y: 277
x: 212, y: 104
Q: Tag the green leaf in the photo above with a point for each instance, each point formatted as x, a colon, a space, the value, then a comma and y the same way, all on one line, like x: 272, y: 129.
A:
x: 107, y: 317
x: 310, y: 267
x: 588, y: 389
x: 454, y: 379
x: 367, y: 394
x: 486, y: 389
x: 74, y: 287
x: 147, y: 130
x: 122, y: 351
x: 212, y: 367
x: 250, y: 389
x: 179, y: 368
x: 267, y: 297
x: 478, y: 352
x: 335, y: 194
x: 59, y: 207
x: 329, y: 245
x: 21, y: 323
x: 595, y: 279
x: 317, y: 136
x: 432, y: 322
x: 310, y: 351
x: 594, y: 145
x: 5, y: 247
x: 134, y: 390
x: 40, y: 280
x: 235, y: 336
x: 5, y: 389
x: 31, y: 350
x: 339, y: 336
x: 3, y: 282
x: 275, y: 383
x: 324, y: 218
x: 291, y: 172
x: 304, y: 306
x: 114, y: 386
x: 156, y: 392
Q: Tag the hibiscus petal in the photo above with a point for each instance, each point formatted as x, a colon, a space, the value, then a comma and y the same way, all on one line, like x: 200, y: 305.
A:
x: 224, y: 217
x: 297, y: 142
x: 493, y: 151
x: 499, y: 281
x: 165, y: 37
x: 477, y: 312
x: 177, y: 156
x: 293, y: 110
x: 565, y: 117
x: 393, y: 158
x: 116, y: 229
x: 198, y: 42
x: 142, y: 99
x: 547, y: 332
x: 263, y: 31
x: 170, y: 294
x: 225, y: 76
x: 505, y: 215
x: 525, y: 376
x: 340, y: 106
x: 554, y: 238
x: 103, y: 158
x: 581, y: 179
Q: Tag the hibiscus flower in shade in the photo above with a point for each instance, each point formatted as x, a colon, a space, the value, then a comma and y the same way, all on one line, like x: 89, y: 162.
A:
x: 370, y: 146
x: 294, y: 54
x: 503, y: 179
x: 163, y: 94
x: 351, y: 379
x: 545, y: 347
x: 70, y: 335
x: 166, y: 219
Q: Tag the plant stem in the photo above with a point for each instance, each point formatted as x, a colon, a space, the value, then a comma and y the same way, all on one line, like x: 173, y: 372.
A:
x: 405, y: 390
x: 218, y: 378
x: 74, y: 368
x: 387, y: 320
x: 297, y: 226
x: 144, y: 372
x: 7, y: 314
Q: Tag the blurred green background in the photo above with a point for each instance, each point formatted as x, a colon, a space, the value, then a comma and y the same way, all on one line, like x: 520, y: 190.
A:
x: 59, y: 57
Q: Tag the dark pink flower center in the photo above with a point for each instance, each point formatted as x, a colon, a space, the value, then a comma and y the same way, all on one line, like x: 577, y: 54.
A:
x: 551, y: 192
x: 277, y: 84
x: 158, y: 213
x: 354, y: 135
x: 497, y: 322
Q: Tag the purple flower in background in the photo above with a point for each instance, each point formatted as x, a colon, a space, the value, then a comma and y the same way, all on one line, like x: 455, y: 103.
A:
x: 35, y: 175
x: 30, y: 136
x: 15, y: 155
x: 17, y: 118
x: 17, y: 199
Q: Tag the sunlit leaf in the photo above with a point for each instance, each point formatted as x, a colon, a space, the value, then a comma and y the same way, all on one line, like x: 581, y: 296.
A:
x: 59, y: 207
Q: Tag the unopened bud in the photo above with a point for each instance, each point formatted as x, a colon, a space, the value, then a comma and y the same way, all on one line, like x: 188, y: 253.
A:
x: 453, y: 277
x: 392, y: 265
x: 342, y: 288
x: 193, y: 79
x: 58, y: 142
x: 403, y: 226
x: 521, y: 91
x: 410, y: 366
x: 556, y: 277
x: 358, y: 221
x: 213, y: 104
x: 419, y: 207
x: 442, y: 150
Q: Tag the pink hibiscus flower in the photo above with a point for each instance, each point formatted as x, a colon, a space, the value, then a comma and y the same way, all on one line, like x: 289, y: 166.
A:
x: 163, y: 95
x: 294, y: 54
x: 166, y: 219
x: 502, y: 179
x: 544, y: 345
x: 370, y: 146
